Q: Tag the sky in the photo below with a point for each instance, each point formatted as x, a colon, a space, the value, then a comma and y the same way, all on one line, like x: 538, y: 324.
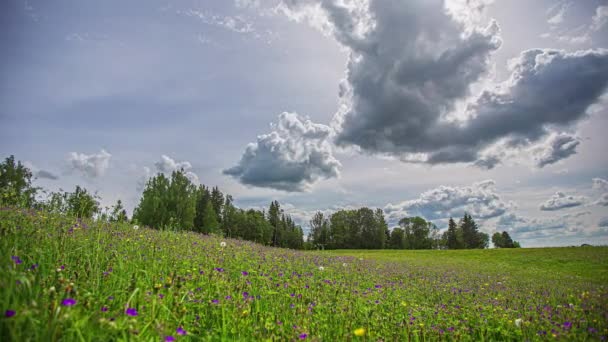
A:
x: 430, y: 108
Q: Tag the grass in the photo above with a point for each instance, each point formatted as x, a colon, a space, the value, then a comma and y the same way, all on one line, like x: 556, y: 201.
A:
x: 149, y: 285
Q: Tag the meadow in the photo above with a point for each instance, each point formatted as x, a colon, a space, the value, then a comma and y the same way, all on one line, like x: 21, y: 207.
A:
x: 78, y: 280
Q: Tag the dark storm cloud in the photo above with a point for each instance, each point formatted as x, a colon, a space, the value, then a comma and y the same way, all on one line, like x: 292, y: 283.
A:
x: 412, y: 62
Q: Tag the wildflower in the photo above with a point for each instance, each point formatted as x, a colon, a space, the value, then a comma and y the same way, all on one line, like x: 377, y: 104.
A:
x: 16, y: 259
x: 321, y: 268
x: 104, y: 308
x: 359, y: 332
x: 567, y: 325
x: 344, y: 264
x: 181, y: 331
x: 518, y: 322
x: 245, y: 273
x: 303, y: 336
x: 222, y: 244
x: 219, y: 269
x: 169, y: 338
x: 9, y: 313
x: 68, y: 302
x: 136, y: 227
x: 215, y: 301
x: 131, y: 312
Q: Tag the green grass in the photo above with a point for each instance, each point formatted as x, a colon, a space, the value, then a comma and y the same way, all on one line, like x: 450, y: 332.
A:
x: 576, y: 264
x: 246, y: 292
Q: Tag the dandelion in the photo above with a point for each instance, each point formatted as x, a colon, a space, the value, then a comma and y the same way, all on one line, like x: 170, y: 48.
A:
x: 181, y: 331
x: 68, y: 302
x: 135, y: 227
x: 344, y: 264
x: 359, y: 332
x: 222, y: 244
x: 131, y: 312
x: 9, y: 313
x: 321, y: 268
x: 518, y: 322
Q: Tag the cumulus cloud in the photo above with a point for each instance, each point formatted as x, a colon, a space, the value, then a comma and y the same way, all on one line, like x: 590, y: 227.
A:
x: 603, y: 222
x: 480, y: 200
x: 411, y: 68
x: 167, y: 165
x: 90, y: 165
x: 292, y: 157
x: 561, y: 201
x: 555, y: 148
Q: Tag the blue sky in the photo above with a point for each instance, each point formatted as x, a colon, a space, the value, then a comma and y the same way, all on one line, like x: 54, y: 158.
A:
x: 426, y: 108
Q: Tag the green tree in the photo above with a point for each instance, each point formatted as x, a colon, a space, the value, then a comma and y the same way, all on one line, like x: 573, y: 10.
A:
x: 118, y: 214
x: 16, y: 184
x: 210, y: 224
x: 453, y: 240
x: 397, y: 240
x: 81, y: 203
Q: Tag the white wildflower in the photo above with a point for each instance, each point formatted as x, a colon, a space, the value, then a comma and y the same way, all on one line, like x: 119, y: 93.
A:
x: 222, y: 244
x: 321, y: 268
x: 518, y: 322
x: 344, y: 264
x: 136, y: 227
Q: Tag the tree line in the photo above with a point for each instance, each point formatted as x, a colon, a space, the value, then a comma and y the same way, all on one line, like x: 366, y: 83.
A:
x: 174, y: 202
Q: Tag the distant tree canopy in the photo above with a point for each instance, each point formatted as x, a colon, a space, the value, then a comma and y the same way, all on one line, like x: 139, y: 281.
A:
x: 503, y: 240
x: 176, y: 203
x: 359, y: 229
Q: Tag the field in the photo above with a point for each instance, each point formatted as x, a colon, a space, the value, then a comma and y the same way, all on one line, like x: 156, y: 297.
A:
x: 64, y: 279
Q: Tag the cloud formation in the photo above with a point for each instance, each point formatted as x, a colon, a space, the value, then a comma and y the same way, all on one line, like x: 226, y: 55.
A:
x: 46, y: 175
x: 292, y: 157
x: 407, y: 91
x: 555, y: 148
x: 562, y: 201
x: 480, y: 200
x: 601, y: 185
x: 167, y: 165
x: 603, y: 222
x: 90, y: 165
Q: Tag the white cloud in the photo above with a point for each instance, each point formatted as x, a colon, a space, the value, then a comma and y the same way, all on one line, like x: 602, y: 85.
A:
x: 603, y: 222
x: 555, y: 148
x: 480, y: 200
x: 558, y: 17
x: 295, y: 155
x: 167, y: 165
x: 91, y: 165
x: 601, y: 185
x: 562, y: 201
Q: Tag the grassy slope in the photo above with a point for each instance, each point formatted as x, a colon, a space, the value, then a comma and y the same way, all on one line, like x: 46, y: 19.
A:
x: 184, y: 280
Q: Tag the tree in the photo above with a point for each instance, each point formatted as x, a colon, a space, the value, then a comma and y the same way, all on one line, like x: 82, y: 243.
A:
x: 397, y: 240
x: 497, y: 240
x: 503, y: 240
x: 16, y: 184
x: 81, y: 203
x: 118, y: 214
x: 209, y: 218
x: 319, y: 231
x: 453, y: 240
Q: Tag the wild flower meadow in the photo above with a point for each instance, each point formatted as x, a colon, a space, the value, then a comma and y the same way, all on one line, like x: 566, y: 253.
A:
x: 65, y: 279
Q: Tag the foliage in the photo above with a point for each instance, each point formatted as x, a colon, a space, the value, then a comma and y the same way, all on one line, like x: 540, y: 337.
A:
x: 503, y: 240
x: 16, y: 184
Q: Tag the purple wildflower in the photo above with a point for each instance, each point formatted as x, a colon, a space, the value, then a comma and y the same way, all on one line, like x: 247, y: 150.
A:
x: 245, y: 273
x: 181, y: 331
x: 131, y: 312
x: 303, y: 336
x: 68, y: 302
x: 215, y: 301
x: 567, y: 325
x: 104, y: 308
x: 16, y: 259
x: 219, y: 269
x: 169, y: 338
x: 9, y: 313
